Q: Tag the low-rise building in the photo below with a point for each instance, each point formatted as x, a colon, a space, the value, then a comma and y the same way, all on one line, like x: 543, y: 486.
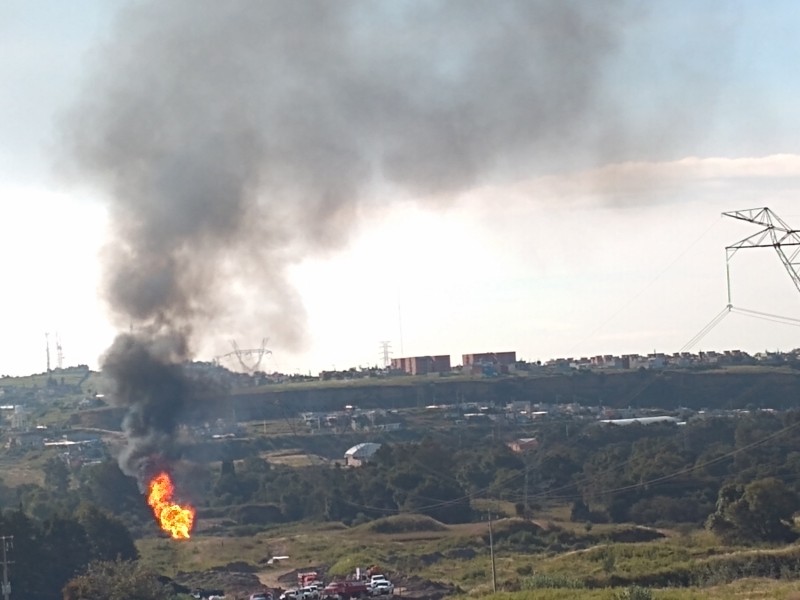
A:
x: 422, y: 365
x: 523, y: 445
x: 360, y: 454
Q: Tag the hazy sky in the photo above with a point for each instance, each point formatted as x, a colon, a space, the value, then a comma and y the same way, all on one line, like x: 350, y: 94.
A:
x: 604, y: 236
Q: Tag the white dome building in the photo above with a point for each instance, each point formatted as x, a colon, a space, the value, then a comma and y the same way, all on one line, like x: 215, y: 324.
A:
x: 360, y: 453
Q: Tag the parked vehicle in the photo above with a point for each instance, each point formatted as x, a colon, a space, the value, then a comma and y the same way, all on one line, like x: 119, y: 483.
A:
x: 261, y: 596
x: 289, y: 595
x: 346, y: 590
x: 202, y: 594
x: 309, y: 592
x: 307, y: 578
x: 382, y: 587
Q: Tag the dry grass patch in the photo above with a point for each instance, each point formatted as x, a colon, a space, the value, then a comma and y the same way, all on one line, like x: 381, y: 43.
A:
x: 294, y: 458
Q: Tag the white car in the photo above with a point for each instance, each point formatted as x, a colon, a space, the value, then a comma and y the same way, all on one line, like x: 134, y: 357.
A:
x: 309, y: 592
x: 382, y: 587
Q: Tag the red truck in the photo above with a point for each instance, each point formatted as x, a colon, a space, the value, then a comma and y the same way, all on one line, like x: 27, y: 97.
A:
x: 345, y: 590
x: 304, y: 579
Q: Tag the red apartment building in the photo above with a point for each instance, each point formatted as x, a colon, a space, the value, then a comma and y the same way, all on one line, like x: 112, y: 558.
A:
x: 422, y: 365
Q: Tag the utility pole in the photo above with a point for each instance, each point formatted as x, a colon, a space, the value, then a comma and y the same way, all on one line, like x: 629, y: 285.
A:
x: 8, y: 544
x: 525, y: 459
x: 491, y: 553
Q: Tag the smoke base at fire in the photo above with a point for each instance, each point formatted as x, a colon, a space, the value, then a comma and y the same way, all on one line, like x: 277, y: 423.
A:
x: 151, y: 384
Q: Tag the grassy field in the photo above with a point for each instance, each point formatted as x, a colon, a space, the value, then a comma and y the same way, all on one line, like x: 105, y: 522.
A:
x: 15, y: 471
x: 406, y: 546
x: 743, y: 589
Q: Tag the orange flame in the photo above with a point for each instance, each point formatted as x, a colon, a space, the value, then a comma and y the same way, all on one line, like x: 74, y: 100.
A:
x: 175, y: 519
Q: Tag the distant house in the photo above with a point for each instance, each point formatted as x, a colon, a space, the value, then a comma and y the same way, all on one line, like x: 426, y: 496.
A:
x: 523, y: 445
x: 26, y: 439
x: 360, y: 454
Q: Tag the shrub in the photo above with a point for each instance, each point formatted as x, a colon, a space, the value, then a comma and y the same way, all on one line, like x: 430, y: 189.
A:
x: 525, y: 570
x: 406, y: 523
x: 634, y: 592
x: 547, y: 581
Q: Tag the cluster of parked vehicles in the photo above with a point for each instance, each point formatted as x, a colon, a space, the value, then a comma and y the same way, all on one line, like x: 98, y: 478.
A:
x: 374, y: 584
x: 359, y: 586
x: 201, y: 594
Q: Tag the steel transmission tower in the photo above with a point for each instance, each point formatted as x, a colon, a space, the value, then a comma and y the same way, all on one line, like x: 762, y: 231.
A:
x: 242, y: 353
x: 386, y: 352
x: 775, y: 234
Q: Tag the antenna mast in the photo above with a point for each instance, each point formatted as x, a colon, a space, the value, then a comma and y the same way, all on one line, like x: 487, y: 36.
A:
x: 47, y: 349
x: 59, y: 353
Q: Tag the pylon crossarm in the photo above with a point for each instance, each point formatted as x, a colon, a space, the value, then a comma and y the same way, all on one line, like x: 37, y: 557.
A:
x: 782, y: 225
x: 759, y: 216
x: 789, y: 238
x: 755, y: 240
x: 776, y: 234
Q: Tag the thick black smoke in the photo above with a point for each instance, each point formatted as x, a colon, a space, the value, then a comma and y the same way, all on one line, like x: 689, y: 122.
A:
x: 233, y: 139
x: 150, y: 382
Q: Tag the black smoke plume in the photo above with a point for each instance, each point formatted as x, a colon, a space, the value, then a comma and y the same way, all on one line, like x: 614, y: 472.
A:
x: 150, y: 382
x: 233, y: 139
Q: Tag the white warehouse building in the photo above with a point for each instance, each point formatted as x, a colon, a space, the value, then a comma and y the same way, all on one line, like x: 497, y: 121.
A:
x: 360, y: 453
x: 642, y: 421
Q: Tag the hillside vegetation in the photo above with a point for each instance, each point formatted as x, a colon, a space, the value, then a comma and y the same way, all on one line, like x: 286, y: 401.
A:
x: 699, y: 510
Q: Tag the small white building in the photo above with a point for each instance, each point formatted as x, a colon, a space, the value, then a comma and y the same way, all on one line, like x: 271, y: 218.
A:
x: 360, y: 453
x: 641, y: 421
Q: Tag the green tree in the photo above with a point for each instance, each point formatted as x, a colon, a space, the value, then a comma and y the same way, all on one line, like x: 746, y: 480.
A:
x: 107, y: 536
x: 27, y: 574
x: 442, y: 500
x: 758, y: 512
x: 56, y: 475
x: 115, y: 580
x: 67, y: 548
x: 107, y: 487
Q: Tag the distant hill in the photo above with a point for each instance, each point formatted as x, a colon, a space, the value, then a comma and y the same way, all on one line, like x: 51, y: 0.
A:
x: 718, y: 389
x: 729, y: 388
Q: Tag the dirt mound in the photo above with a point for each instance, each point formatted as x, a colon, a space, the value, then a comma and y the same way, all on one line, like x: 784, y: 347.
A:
x: 233, y: 582
x: 424, y: 589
